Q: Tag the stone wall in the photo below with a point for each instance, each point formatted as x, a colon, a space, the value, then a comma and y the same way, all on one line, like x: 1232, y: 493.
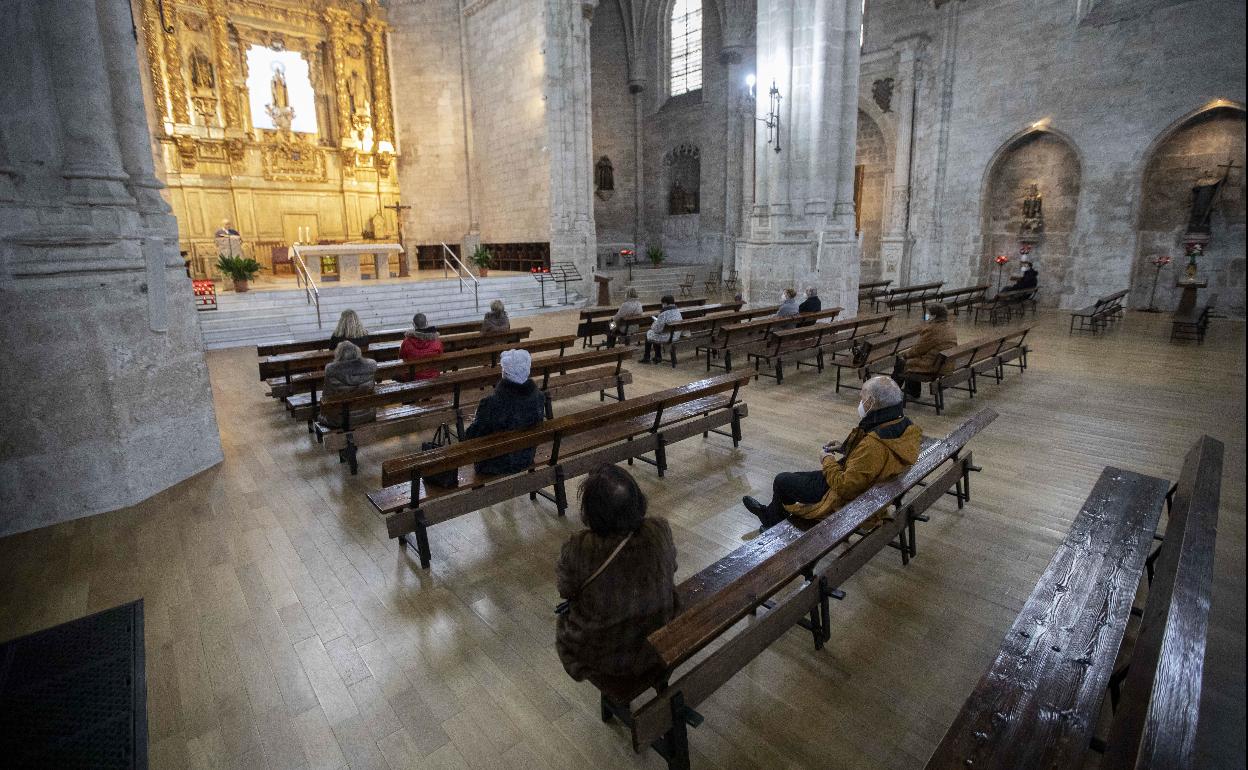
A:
x: 429, y: 115
x: 872, y: 155
x: 1113, y: 83
x: 103, y: 382
x: 613, y: 124
x: 506, y: 51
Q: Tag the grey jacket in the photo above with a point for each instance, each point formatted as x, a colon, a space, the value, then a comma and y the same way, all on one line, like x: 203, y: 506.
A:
x: 629, y: 308
x: 495, y: 322
x: 348, y: 378
x: 657, y: 331
x: 787, y: 308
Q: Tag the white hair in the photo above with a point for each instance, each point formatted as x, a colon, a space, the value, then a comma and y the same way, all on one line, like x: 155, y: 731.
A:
x: 812, y: 291
x: 346, y: 351
x: 882, y: 392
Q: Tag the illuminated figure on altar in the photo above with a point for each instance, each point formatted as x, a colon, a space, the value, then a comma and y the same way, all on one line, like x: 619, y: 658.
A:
x: 279, y: 109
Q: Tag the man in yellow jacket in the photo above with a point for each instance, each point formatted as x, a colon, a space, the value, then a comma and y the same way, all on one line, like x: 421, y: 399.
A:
x: 884, y: 445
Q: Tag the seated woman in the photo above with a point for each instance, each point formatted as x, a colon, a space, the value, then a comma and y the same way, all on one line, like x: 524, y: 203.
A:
x: 496, y: 320
x: 657, y: 333
x: 516, y: 403
x: 921, y: 361
x: 618, y: 580
x: 420, y: 341
x: 349, y: 374
x: 349, y: 327
x: 1030, y: 279
x: 630, y: 308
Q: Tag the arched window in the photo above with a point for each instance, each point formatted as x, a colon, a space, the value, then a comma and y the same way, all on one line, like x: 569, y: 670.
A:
x: 686, y: 57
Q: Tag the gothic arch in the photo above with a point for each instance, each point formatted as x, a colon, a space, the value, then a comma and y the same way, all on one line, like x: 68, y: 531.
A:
x: 1049, y: 160
x: 1190, y: 151
x: 873, y: 169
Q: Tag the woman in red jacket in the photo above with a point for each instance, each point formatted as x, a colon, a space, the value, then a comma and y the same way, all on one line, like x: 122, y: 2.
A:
x: 421, y: 341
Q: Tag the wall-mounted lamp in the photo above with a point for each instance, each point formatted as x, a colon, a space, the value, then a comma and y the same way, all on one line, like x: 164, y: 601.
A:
x: 772, y: 121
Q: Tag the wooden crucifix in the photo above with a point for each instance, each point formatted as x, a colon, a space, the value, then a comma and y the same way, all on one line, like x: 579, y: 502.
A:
x: 398, y: 209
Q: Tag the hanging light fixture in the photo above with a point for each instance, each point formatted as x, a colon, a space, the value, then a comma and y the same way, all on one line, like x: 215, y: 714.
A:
x: 772, y: 121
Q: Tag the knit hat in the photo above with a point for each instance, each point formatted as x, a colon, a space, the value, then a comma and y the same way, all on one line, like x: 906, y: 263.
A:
x: 516, y: 365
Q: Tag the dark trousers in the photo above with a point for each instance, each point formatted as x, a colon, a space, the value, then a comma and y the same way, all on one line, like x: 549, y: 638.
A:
x: 656, y: 347
x: 913, y: 388
x: 788, y: 488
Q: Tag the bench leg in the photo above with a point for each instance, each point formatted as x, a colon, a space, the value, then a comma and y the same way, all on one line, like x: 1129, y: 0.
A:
x: 561, y: 492
x: 728, y: 361
x: 736, y: 428
x: 674, y: 745
x: 422, y: 543
x: 779, y: 372
x: 660, y: 455
x: 348, y: 455
x: 671, y: 349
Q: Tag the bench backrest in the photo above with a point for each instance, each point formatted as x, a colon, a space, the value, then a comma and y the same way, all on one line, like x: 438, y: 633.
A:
x: 970, y: 353
x: 466, y: 380
x: 459, y: 359
x: 730, y: 334
x: 901, y: 291
x: 1155, y: 725
x: 873, y: 285
x: 606, y: 311
x: 872, y: 348
x: 966, y: 290
x: 417, y: 466
x: 690, y: 313
x: 383, y: 335
x: 712, y: 321
x: 306, y: 361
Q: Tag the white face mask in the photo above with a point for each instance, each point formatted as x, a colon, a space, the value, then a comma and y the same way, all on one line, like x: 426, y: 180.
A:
x: 862, y: 411
x: 927, y: 316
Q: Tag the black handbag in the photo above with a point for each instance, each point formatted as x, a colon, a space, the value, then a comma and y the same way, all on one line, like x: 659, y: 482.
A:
x: 441, y: 437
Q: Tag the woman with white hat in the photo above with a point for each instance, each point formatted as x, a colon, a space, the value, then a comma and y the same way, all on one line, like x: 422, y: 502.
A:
x: 516, y: 403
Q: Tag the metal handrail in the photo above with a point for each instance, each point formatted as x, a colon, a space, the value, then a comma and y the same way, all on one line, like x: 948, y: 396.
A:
x: 455, y: 264
x: 310, y: 292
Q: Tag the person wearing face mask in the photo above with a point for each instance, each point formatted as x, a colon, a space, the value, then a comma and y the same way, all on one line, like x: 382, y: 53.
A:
x: 658, y: 332
x: 922, y: 360
x: 883, y: 445
x: 1030, y: 279
x: 788, y: 304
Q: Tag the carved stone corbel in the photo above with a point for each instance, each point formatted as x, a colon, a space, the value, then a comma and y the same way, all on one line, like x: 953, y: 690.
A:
x: 186, y: 150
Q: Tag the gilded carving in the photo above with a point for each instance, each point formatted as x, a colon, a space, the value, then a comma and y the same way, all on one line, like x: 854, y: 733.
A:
x: 236, y: 150
x: 186, y: 150
x: 225, y: 65
x: 383, y: 118
x: 173, y: 69
x: 337, y: 21
x: 288, y: 158
x: 205, y: 108
x: 152, y: 32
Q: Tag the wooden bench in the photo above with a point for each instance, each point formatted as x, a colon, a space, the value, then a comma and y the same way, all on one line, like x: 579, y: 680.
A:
x: 871, y: 354
x: 403, y: 408
x: 301, y: 392
x: 777, y: 581
x: 747, y: 336
x: 566, y: 447
x: 908, y: 296
x: 1097, y: 316
x: 287, y: 365
x: 903, y: 294
x: 1192, y: 326
x: 593, y: 320
x: 1006, y: 304
x: 968, y: 296
x: 959, y: 368
x: 868, y: 292
x: 640, y: 324
x: 815, y: 341
x: 1040, y: 702
x: 383, y: 335
x: 692, y: 332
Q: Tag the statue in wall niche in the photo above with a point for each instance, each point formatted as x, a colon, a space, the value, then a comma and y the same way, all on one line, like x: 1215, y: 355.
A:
x: 1204, y: 196
x: 681, y: 201
x: 882, y: 93
x: 604, y: 178
x: 203, y: 78
x: 279, y: 108
x: 1033, y: 212
x: 357, y: 94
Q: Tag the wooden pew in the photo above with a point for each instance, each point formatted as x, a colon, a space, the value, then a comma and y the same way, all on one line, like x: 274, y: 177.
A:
x: 1039, y: 703
x: 908, y: 296
x: 1191, y: 326
x: 817, y: 341
x: 567, y: 447
x: 746, y: 336
x: 692, y: 332
x: 593, y: 320
x: 289, y: 364
x: 965, y: 363
x: 1097, y: 316
x: 308, y: 383
x: 1006, y: 304
x: 383, y: 335
x: 871, y: 355
x: 403, y: 408
x: 870, y: 291
x: 811, y: 561
x: 956, y: 299
x: 640, y: 324
x: 901, y: 294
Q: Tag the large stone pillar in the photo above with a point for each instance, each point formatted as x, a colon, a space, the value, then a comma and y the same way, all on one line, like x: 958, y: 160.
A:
x: 801, y: 230
x: 569, y: 125
x: 637, y: 87
x: 895, y: 243
x: 123, y: 409
x: 736, y: 114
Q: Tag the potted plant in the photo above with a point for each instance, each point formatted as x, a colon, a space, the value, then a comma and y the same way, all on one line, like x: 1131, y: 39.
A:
x: 656, y: 255
x: 481, y: 258
x: 240, y: 269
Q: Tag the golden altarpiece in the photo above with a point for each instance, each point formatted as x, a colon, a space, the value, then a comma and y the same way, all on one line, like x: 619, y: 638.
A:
x: 273, y: 114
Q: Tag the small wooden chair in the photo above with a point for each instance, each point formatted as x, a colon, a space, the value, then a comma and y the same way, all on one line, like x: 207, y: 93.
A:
x: 686, y: 286
x: 730, y: 284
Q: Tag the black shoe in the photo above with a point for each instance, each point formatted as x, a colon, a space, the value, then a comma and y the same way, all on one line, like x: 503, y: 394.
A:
x: 645, y: 360
x: 754, y: 507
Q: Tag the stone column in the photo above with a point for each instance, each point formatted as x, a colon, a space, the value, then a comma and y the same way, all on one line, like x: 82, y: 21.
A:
x: 91, y: 159
x: 227, y: 86
x: 637, y: 87
x: 895, y: 241
x: 383, y: 120
x: 735, y: 115
x: 802, y: 227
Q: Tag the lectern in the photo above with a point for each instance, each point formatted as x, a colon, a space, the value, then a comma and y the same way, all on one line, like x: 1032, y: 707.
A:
x: 604, y: 293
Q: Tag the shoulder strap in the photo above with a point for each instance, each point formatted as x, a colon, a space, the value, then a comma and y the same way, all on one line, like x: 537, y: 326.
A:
x: 603, y: 566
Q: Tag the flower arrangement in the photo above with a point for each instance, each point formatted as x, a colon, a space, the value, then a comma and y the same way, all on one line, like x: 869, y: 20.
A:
x: 1161, y: 260
x: 1024, y: 249
x: 1193, y: 249
x: 539, y: 269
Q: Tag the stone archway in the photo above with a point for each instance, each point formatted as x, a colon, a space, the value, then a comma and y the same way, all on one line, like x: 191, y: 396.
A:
x: 1184, y: 156
x: 1048, y: 161
x: 871, y: 170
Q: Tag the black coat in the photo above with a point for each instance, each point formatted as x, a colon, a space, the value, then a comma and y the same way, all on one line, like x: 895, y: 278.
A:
x: 509, y: 407
x: 810, y: 305
x: 1029, y: 280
